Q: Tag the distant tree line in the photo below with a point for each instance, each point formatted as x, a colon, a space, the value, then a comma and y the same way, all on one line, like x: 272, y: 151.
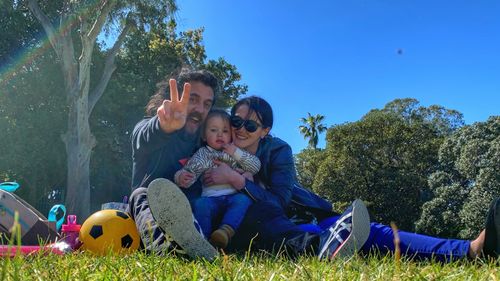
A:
x: 417, y: 166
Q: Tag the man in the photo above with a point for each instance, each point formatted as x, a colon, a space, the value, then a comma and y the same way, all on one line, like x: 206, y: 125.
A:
x: 169, y: 134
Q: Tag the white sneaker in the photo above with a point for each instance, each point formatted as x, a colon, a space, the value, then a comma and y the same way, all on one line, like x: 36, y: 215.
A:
x: 172, y: 212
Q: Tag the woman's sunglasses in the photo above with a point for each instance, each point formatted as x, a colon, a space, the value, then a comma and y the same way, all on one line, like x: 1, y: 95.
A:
x: 250, y: 125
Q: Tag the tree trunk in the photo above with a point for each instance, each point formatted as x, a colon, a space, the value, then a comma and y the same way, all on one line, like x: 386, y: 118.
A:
x: 79, y: 143
x: 78, y: 139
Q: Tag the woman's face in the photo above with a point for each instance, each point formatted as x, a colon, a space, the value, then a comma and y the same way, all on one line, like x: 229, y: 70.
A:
x: 245, y: 139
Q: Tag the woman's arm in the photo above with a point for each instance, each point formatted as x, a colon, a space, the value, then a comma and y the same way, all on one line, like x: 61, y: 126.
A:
x: 278, y: 177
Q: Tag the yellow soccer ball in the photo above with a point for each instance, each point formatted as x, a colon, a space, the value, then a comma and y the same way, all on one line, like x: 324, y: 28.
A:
x: 109, y: 231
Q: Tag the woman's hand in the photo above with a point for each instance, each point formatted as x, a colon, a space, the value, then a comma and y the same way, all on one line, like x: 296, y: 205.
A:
x: 223, y: 174
x: 246, y: 175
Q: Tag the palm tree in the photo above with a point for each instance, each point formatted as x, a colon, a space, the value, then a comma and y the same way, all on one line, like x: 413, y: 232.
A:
x: 312, y: 128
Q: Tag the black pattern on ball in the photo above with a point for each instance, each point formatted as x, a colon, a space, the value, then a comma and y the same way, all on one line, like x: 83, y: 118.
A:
x: 122, y: 215
x: 127, y: 241
x: 96, y: 231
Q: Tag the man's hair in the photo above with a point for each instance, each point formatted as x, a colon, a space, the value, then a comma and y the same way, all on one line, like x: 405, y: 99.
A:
x: 185, y: 76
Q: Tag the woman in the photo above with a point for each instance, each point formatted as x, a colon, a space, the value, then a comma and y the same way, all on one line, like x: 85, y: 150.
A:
x: 277, y: 197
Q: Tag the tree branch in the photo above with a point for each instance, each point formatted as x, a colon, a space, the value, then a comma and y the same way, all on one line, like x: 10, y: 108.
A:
x: 46, y: 24
x: 105, y: 9
x: 109, y: 67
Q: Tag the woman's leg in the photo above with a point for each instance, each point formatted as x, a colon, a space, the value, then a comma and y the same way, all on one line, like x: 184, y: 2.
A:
x: 415, y: 245
x: 264, y: 226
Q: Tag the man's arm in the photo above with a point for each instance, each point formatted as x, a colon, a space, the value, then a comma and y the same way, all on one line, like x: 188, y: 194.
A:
x: 148, y: 136
x: 153, y: 133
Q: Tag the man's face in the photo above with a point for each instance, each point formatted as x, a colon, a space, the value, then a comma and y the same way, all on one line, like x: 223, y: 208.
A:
x: 200, y: 102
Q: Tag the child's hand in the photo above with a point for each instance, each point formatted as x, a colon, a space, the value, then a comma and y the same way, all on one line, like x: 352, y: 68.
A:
x: 185, y: 179
x: 229, y: 148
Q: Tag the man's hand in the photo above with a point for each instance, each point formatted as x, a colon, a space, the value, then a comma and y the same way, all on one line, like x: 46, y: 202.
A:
x: 185, y: 178
x: 172, y: 113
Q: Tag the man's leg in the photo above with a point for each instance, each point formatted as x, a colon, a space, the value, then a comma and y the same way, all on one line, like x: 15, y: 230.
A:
x: 168, y: 212
x: 153, y: 239
x: 171, y: 210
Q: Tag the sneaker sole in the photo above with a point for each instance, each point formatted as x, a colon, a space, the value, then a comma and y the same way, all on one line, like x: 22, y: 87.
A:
x: 359, y: 233
x: 172, y: 212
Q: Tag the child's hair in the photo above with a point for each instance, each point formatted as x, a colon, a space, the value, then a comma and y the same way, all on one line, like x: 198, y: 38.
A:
x: 214, y: 112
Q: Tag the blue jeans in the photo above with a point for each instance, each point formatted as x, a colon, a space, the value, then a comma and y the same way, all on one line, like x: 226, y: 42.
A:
x: 226, y: 209
x: 275, y: 228
x: 411, y: 244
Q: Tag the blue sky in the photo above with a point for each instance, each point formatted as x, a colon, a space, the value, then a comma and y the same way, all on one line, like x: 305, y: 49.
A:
x: 340, y: 58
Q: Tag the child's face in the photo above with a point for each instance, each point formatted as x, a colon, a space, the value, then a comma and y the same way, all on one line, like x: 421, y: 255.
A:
x: 217, y: 132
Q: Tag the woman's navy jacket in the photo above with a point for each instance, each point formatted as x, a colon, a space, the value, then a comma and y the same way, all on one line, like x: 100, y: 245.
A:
x: 276, y: 181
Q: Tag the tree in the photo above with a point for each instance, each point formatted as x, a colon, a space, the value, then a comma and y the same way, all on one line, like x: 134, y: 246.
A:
x: 307, y: 163
x: 86, y: 19
x: 385, y: 158
x: 444, y: 120
x: 467, y: 180
x: 312, y: 128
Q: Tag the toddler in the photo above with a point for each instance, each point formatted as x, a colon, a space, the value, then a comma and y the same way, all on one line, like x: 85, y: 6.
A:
x: 218, y: 200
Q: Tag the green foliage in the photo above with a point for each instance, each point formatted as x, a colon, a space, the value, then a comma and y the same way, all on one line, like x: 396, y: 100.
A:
x: 385, y: 159
x: 32, y: 111
x: 229, y: 77
x: 312, y: 128
x: 466, y: 182
x: 307, y: 163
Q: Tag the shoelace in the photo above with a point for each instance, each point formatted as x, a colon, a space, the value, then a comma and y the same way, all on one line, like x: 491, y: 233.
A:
x: 334, y: 232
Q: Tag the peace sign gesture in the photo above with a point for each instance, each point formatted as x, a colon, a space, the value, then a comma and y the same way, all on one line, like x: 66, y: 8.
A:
x: 172, y: 113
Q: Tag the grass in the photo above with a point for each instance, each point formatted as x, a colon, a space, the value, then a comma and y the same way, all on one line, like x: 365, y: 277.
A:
x: 258, y: 266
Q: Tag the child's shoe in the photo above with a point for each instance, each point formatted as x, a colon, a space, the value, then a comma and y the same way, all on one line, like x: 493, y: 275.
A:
x: 220, y: 238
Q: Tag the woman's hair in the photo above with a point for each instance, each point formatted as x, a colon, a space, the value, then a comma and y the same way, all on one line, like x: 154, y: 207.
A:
x: 185, y: 76
x: 215, y: 112
x: 260, y: 107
